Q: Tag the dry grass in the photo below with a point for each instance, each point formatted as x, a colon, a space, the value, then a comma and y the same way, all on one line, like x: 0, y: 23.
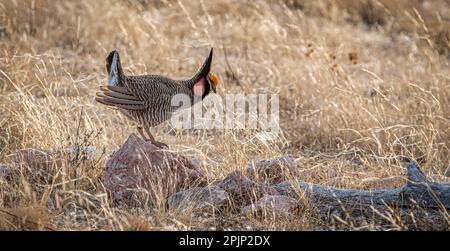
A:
x: 360, y: 82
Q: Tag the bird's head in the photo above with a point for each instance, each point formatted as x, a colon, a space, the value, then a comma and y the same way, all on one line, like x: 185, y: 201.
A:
x: 205, y: 81
x: 213, y: 81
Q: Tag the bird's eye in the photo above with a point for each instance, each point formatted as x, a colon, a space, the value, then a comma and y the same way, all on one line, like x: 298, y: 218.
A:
x: 214, y: 79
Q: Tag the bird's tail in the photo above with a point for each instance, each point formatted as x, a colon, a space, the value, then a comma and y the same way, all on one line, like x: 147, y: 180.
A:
x: 114, y: 69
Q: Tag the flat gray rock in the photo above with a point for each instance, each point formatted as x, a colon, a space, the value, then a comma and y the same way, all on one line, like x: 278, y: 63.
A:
x: 198, y: 198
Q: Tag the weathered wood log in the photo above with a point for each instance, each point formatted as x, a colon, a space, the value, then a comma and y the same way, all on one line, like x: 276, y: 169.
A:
x: 418, y: 191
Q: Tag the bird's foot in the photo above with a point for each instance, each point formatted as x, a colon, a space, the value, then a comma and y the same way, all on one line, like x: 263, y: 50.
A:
x: 160, y: 144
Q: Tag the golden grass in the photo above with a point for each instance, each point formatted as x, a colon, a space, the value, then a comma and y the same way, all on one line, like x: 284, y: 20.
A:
x: 360, y: 83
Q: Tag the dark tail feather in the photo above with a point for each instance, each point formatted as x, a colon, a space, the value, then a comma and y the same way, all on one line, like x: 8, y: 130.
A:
x: 121, y: 106
x: 114, y: 69
x: 119, y: 97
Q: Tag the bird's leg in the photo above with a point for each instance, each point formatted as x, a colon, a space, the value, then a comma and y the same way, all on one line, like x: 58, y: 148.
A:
x: 149, y: 134
x: 152, y: 139
x: 140, y: 129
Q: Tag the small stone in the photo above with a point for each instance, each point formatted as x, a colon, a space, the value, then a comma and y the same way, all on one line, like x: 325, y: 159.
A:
x: 5, y: 172
x: 272, y: 171
x: 272, y: 206
x: 242, y: 190
x: 198, y: 198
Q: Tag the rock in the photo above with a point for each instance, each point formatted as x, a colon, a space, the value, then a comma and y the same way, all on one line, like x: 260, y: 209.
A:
x: 272, y: 206
x: 5, y: 172
x: 272, y: 171
x: 139, y: 172
x: 198, y: 198
x: 39, y: 163
x: 236, y: 183
x: 242, y: 190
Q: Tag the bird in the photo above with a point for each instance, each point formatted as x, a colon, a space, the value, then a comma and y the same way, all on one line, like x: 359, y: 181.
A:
x: 146, y: 99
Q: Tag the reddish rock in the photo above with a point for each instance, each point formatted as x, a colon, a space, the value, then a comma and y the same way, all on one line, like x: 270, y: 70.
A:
x: 242, y: 190
x: 271, y: 206
x: 38, y: 164
x: 139, y: 172
x: 272, y: 171
x: 236, y: 183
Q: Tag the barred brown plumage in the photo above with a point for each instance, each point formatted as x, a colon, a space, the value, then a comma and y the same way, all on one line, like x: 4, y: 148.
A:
x: 146, y: 99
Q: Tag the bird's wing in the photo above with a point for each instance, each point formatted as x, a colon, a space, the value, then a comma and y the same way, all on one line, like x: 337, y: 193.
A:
x: 119, y: 97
